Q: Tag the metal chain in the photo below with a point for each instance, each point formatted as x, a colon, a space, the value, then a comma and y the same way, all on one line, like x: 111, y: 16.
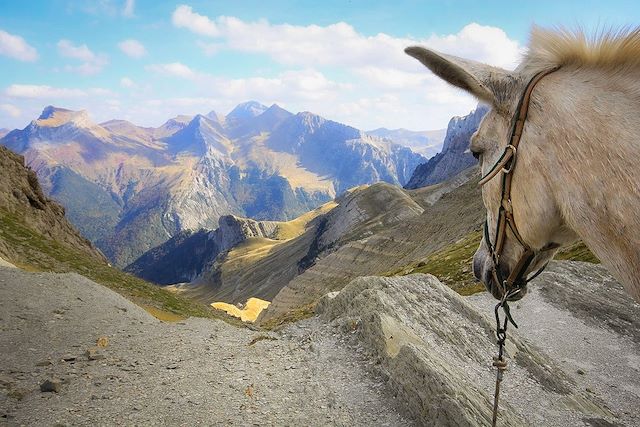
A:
x: 501, y: 334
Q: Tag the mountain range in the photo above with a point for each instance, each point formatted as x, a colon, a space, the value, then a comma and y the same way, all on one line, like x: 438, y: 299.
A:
x: 427, y: 142
x: 130, y: 188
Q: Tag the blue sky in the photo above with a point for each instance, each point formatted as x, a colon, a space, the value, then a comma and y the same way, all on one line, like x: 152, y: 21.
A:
x: 146, y: 61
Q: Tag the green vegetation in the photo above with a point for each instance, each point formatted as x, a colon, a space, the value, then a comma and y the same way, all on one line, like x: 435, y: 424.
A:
x: 34, y: 252
x: 292, y: 316
x: 577, y: 252
x: 452, y: 264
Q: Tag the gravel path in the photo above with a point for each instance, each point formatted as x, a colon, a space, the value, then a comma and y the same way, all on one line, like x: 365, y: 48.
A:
x: 198, y: 371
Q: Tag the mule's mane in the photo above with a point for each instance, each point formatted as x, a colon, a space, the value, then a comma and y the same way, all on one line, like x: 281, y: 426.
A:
x: 611, y: 49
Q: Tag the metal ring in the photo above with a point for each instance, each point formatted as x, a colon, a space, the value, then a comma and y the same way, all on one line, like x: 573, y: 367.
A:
x: 513, y: 159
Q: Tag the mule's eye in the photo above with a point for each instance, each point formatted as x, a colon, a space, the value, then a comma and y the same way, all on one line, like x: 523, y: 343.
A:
x: 476, y: 154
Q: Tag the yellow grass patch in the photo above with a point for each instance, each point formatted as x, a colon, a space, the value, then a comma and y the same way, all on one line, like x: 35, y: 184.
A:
x: 165, y: 316
x: 295, y: 227
x: 249, y: 313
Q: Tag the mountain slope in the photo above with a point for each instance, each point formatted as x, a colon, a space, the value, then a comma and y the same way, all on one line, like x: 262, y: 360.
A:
x: 131, y: 188
x: 454, y: 156
x: 369, y: 230
x: 22, y: 201
x: 36, y: 236
x: 349, y: 155
x: 183, y: 257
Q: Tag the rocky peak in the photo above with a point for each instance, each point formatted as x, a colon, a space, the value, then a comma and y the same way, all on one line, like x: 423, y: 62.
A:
x: 233, y: 230
x: 56, y: 125
x: 275, y: 114
x: 54, y: 117
x: 461, y: 128
x: 310, y: 121
x: 246, y: 110
x: 216, y: 117
x: 454, y: 156
x: 198, y: 137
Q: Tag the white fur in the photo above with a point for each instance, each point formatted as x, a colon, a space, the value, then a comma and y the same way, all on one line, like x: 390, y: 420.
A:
x: 578, y: 165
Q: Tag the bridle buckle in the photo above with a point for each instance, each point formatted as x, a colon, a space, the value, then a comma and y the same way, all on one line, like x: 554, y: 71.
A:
x: 512, y: 160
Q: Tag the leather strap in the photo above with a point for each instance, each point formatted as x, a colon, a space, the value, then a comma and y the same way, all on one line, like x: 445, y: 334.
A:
x: 506, y: 164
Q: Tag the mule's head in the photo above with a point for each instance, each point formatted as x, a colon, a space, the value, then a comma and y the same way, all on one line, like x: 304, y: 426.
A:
x: 535, y: 212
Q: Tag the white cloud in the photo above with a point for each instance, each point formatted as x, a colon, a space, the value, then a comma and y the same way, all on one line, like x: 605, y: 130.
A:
x: 373, y: 68
x: 340, y: 44
x: 42, y: 91
x: 391, y: 78
x: 184, y: 17
x: 93, y: 63
x: 10, y: 110
x: 82, y: 52
x: 128, y: 9
x: 490, y: 45
x: 132, y: 48
x: 16, y: 47
x: 175, y: 69
x: 126, y: 82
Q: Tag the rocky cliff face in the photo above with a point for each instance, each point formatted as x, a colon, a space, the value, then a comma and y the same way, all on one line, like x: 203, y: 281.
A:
x: 454, y: 156
x: 130, y: 188
x: 436, y: 347
x: 184, y: 257
x: 24, y: 204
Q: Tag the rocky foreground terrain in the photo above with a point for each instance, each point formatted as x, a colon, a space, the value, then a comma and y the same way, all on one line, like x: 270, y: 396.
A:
x: 383, y: 351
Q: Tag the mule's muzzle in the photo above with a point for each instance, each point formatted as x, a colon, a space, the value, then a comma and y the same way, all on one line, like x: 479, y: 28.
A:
x: 483, y: 270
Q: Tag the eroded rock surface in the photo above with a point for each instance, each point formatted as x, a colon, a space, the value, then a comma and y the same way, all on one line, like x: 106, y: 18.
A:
x: 436, y: 349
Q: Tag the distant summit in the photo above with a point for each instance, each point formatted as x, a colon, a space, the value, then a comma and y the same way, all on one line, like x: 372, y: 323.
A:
x: 246, y: 110
x: 54, y: 116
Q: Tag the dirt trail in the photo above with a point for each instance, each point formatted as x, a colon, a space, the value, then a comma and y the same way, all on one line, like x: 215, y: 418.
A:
x: 381, y: 347
x: 198, y: 371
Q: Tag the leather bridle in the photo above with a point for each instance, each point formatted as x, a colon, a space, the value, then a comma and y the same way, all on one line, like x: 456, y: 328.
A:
x: 513, y: 284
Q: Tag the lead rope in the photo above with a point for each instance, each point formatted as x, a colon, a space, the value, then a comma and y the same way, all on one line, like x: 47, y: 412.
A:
x: 501, y: 334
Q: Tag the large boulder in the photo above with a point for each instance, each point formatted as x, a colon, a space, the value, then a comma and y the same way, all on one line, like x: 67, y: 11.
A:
x: 437, y: 349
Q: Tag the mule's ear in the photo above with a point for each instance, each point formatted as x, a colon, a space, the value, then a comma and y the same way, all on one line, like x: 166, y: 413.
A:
x: 480, y: 80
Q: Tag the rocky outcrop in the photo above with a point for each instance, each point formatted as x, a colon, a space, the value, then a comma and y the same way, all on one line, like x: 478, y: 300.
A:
x: 233, y: 230
x: 436, y: 349
x: 184, y: 257
x: 375, y: 249
x: 454, y: 156
x: 23, y: 203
